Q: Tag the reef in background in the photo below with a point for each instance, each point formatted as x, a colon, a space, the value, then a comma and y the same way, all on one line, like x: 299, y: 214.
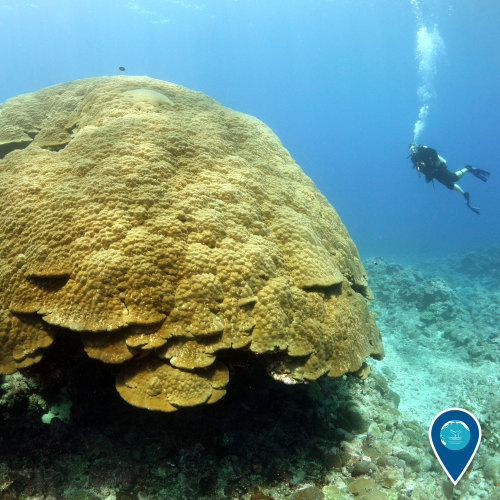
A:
x: 441, y: 320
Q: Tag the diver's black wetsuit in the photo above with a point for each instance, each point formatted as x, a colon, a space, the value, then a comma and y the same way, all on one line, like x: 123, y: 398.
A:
x: 427, y: 161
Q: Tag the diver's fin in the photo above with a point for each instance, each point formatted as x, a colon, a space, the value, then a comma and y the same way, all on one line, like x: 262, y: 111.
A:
x: 479, y: 173
x: 476, y: 210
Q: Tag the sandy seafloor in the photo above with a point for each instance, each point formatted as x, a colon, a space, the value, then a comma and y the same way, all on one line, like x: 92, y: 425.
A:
x: 452, y: 357
x: 346, y: 438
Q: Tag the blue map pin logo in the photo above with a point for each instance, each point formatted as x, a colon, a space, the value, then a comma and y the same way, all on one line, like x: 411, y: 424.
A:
x: 455, y: 435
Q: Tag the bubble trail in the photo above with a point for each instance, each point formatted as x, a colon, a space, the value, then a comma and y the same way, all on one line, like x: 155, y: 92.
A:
x: 429, y: 48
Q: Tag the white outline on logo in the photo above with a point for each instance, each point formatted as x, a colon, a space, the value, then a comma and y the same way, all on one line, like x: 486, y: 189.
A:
x: 475, y: 449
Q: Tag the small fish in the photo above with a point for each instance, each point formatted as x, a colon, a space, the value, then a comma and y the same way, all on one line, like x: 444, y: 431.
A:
x: 121, y: 68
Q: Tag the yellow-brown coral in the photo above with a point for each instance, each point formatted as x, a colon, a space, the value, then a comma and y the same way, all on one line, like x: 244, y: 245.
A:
x: 151, y: 219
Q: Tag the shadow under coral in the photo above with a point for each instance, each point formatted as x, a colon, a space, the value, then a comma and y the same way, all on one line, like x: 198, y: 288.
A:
x: 263, y: 432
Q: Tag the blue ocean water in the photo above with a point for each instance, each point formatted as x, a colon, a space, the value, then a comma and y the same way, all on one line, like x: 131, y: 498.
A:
x: 338, y: 82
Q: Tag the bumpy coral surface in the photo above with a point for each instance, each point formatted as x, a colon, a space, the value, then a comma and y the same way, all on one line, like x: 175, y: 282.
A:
x: 166, y: 231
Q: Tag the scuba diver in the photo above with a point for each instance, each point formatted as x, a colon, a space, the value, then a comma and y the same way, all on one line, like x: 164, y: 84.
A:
x: 427, y: 161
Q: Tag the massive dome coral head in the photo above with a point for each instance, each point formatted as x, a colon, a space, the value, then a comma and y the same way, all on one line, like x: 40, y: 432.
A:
x: 165, y: 229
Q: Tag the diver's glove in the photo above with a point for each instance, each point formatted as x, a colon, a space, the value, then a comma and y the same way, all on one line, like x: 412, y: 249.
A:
x: 476, y: 210
x: 479, y: 173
